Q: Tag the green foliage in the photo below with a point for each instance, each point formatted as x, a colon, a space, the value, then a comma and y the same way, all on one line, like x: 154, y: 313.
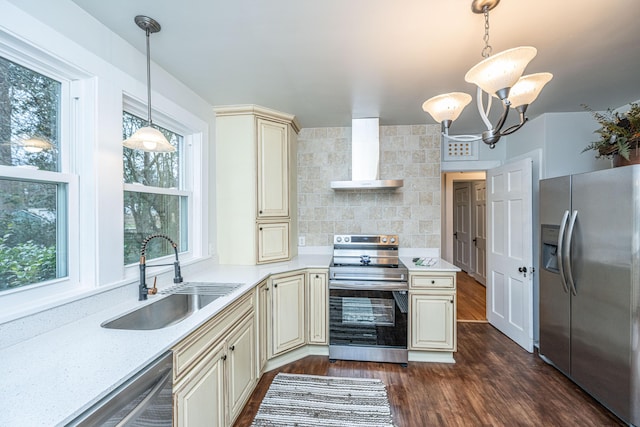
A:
x: 25, y: 263
x: 619, y: 132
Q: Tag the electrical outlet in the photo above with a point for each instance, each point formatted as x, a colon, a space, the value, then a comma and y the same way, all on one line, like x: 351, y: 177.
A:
x: 301, y: 241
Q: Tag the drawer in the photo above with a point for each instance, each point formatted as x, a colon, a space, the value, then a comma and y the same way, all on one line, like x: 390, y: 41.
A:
x: 194, y: 347
x: 432, y: 281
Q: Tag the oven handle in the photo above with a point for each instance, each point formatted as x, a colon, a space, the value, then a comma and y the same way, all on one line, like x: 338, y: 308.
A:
x: 369, y: 286
x: 335, y: 276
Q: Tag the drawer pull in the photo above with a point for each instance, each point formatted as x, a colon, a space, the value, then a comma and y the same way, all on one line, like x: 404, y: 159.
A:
x: 433, y: 282
x: 224, y: 357
x: 233, y: 347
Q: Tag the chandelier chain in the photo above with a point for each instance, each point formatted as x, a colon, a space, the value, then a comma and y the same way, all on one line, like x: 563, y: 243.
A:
x: 486, y: 51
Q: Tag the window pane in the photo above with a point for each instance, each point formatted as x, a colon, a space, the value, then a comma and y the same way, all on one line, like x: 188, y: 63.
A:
x: 30, y: 234
x: 29, y: 118
x: 151, y: 169
x: 146, y: 214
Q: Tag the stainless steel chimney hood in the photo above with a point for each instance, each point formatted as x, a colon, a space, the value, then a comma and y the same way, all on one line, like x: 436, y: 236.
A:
x: 365, y: 158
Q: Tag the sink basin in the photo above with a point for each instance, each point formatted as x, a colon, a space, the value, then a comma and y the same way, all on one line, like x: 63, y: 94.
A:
x: 164, y: 312
x: 184, y: 300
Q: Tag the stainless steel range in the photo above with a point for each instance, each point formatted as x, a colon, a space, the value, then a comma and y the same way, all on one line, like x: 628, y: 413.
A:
x: 368, y: 301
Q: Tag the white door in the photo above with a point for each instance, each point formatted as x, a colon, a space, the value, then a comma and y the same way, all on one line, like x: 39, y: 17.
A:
x: 509, y: 251
x: 479, y: 229
x: 462, y: 225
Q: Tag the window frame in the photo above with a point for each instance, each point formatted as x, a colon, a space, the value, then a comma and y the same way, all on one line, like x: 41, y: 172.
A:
x: 42, y: 63
x: 189, y: 171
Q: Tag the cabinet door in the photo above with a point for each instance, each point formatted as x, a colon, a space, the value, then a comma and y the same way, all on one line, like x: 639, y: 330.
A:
x: 241, y: 365
x: 317, y: 307
x: 273, y: 241
x: 432, y: 322
x: 199, y: 398
x: 273, y: 169
x: 287, y: 305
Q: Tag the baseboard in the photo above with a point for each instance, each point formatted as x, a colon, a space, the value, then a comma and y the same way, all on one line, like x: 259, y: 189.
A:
x: 431, y: 356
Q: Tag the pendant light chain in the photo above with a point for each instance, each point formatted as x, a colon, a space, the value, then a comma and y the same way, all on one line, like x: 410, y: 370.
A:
x: 486, y: 51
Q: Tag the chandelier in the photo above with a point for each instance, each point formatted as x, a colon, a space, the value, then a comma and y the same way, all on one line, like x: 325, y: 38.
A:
x: 148, y: 138
x: 499, y: 76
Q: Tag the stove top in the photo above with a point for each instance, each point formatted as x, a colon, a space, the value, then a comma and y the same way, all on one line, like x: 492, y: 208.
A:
x: 366, y: 250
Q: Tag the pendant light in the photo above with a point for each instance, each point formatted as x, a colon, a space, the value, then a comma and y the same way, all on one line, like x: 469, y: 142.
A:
x: 499, y: 76
x: 148, y: 138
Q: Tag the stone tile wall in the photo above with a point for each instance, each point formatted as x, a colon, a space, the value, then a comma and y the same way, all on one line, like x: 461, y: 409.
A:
x: 411, y: 153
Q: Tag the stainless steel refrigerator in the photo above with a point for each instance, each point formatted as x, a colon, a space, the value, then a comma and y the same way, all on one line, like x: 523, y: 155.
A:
x: 590, y: 283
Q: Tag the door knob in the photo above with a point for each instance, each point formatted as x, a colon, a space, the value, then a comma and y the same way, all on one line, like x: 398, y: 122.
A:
x: 455, y: 234
x: 475, y: 241
x: 522, y: 269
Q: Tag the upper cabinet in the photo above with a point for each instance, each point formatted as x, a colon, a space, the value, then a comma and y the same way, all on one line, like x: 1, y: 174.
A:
x: 255, y: 187
x: 273, y: 169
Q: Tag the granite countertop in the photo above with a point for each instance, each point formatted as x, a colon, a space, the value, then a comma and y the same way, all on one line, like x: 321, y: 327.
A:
x: 53, y: 377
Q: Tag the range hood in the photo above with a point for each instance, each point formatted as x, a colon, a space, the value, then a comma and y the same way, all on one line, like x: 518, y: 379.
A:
x: 365, y: 158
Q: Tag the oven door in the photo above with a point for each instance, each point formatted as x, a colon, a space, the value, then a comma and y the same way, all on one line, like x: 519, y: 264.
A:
x: 368, y: 322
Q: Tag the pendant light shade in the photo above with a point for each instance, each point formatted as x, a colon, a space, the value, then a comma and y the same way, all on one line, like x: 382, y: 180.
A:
x: 447, y: 106
x: 148, y: 138
x: 527, y: 89
x: 501, y: 71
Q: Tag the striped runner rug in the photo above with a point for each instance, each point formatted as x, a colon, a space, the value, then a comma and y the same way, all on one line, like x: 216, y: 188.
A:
x: 315, y: 401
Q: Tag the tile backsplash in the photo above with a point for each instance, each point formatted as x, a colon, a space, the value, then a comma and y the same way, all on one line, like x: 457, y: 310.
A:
x: 411, y: 153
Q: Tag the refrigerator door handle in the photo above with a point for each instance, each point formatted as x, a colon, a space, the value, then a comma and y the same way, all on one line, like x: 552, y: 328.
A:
x: 559, y: 251
x: 567, y: 253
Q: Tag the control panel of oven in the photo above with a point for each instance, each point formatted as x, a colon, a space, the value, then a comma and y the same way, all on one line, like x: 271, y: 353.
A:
x: 366, y: 239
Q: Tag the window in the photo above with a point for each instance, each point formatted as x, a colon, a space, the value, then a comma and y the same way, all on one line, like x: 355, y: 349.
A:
x: 33, y: 189
x: 155, y: 199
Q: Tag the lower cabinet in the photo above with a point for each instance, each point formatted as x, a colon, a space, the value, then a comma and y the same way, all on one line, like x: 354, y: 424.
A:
x: 317, y: 306
x: 432, y: 311
x: 432, y: 322
x: 285, y: 313
x: 215, y: 368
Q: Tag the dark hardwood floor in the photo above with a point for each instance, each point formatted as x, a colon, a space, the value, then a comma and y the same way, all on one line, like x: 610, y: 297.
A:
x: 472, y: 299
x: 493, y: 383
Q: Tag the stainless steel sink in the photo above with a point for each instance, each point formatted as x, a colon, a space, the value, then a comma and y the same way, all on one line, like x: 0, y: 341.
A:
x: 183, y: 301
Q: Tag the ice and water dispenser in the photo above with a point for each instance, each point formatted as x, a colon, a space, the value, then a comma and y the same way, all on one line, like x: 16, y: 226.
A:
x: 550, y: 247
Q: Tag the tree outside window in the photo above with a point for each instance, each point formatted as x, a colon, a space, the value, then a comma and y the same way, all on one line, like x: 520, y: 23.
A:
x: 154, y: 202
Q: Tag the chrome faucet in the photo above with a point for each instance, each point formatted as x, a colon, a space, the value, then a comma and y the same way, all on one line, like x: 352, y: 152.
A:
x: 143, y: 289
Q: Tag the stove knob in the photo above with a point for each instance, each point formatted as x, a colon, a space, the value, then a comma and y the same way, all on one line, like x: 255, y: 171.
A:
x: 393, y: 240
x: 384, y: 239
x: 346, y: 239
x: 338, y: 239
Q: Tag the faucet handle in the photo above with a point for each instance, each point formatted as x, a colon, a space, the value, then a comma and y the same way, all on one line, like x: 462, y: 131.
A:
x: 154, y: 290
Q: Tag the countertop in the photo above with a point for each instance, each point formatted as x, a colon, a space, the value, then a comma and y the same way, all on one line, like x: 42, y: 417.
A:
x: 53, y: 377
x: 431, y: 264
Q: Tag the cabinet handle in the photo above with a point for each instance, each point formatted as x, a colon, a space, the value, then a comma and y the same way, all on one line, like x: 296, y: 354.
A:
x: 260, y: 228
x: 433, y: 282
x: 317, y: 276
x: 275, y: 285
x: 233, y: 347
x: 224, y: 357
x: 259, y: 212
x: 266, y: 289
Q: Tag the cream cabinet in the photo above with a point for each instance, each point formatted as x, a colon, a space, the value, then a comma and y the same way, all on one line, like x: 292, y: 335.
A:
x: 255, y: 184
x: 262, y: 293
x: 215, y: 368
x: 286, y: 313
x: 273, y: 241
x: 317, y: 306
x: 432, y: 311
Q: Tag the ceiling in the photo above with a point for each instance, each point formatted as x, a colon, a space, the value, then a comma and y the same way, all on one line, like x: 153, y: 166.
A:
x: 333, y: 60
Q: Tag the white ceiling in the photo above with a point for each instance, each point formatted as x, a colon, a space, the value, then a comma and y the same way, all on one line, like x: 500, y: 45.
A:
x: 333, y: 60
